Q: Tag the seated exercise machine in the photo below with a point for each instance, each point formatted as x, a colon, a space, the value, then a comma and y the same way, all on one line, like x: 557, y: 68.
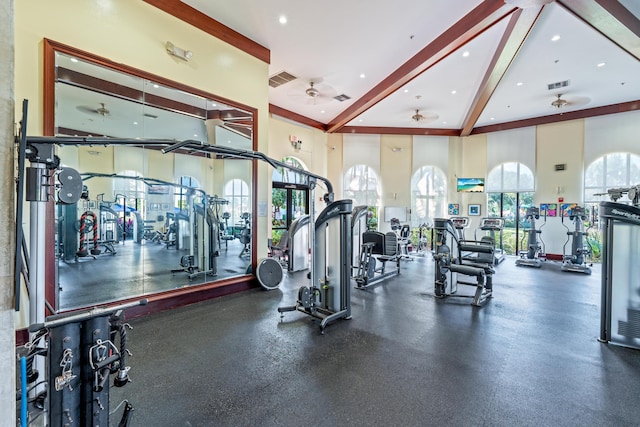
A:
x: 280, y: 251
x: 449, y: 263
x: 328, y: 297
x: 576, y: 261
x: 535, y: 253
x: 492, y: 227
x: 245, y: 235
x: 377, y: 248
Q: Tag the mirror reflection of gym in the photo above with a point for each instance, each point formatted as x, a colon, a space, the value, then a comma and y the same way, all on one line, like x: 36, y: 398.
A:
x: 149, y: 222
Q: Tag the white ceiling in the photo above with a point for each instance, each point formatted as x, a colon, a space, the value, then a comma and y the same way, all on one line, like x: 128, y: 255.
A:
x: 332, y: 43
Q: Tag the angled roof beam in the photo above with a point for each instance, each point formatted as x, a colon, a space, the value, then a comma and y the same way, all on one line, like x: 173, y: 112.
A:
x: 470, y: 26
x: 519, y: 26
x: 611, y: 19
x: 300, y: 119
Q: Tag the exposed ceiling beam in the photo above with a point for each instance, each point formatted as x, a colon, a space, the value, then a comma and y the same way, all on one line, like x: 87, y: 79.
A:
x: 290, y: 115
x: 485, y: 15
x: 209, y: 25
x: 518, y: 28
x: 399, y: 131
x: 611, y: 19
x: 555, y: 118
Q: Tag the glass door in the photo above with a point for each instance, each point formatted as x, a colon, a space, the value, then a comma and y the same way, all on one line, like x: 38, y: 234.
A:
x: 289, y: 202
x: 512, y: 207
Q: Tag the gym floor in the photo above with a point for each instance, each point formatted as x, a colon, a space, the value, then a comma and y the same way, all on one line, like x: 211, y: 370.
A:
x: 529, y: 357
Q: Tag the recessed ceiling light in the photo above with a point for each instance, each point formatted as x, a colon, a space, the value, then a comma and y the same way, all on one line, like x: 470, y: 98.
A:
x: 360, y: 120
x: 282, y: 19
x: 453, y: 92
x: 362, y: 76
x: 555, y: 38
x: 135, y: 123
x: 444, y: 123
x: 465, y: 53
x: 321, y: 111
x: 492, y: 118
x: 519, y: 84
x: 156, y: 86
x: 73, y: 60
x: 406, y: 91
x: 602, y: 64
x: 195, y: 134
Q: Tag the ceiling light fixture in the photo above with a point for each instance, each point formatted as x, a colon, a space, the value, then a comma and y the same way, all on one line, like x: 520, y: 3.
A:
x: 602, y: 64
x: 559, y: 103
x: 417, y: 116
x: 282, y: 19
x: 362, y: 76
x: 178, y: 52
x: 312, y: 91
x: 555, y: 38
x: 465, y: 53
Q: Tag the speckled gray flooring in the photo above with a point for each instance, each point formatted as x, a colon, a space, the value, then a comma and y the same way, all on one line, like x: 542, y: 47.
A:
x: 530, y: 357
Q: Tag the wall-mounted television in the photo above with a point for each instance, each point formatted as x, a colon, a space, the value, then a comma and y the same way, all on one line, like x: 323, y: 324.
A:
x: 470, y: 185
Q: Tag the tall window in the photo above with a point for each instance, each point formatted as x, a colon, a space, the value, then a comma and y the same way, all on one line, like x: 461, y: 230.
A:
x: 181, y: 193
x: 610, y: 171
x: 130, y: 191
x: 428, y: 195
x: 361, y: 185
x: 510, y: 187
x: 236, y: 192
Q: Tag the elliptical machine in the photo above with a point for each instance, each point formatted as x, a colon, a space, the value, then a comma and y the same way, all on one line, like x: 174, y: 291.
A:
x: 535, y: 252
x: 580, y: 248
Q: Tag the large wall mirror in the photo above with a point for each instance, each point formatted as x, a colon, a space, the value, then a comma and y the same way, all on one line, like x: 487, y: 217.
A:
x: 150, y: 222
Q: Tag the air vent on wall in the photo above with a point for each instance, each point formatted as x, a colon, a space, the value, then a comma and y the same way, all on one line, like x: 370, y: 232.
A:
x: 558, y: 85
x: 341, y: 98
x: 151, y: 116
x: 281, y: 78
x: 560, y: 166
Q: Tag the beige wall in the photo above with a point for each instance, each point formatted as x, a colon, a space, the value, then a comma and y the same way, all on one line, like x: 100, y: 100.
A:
x: 395, y: 172
x: 134, y: 33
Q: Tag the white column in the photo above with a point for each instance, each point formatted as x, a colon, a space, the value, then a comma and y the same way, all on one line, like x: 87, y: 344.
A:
x: 7, y: 215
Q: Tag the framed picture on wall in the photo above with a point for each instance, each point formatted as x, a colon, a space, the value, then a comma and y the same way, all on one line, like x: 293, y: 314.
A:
x: 454, y: 209
x: 474, y: 210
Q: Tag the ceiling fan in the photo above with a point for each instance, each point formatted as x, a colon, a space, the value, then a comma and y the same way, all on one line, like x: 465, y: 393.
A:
x: 102, y: 110
x: 560, y: 103
x: 313, y: 94
x: 419, y: 117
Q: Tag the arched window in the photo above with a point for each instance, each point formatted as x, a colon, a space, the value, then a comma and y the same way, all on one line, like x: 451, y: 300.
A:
x: 428, y: 195
x: 236, y: 192
x: 281, y: 174
x: 361, y: 185
x: 609, y: 171
x: 510, y: 177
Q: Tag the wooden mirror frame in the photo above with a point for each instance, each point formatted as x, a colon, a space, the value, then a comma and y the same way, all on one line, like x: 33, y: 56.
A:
x: 170, y: 298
